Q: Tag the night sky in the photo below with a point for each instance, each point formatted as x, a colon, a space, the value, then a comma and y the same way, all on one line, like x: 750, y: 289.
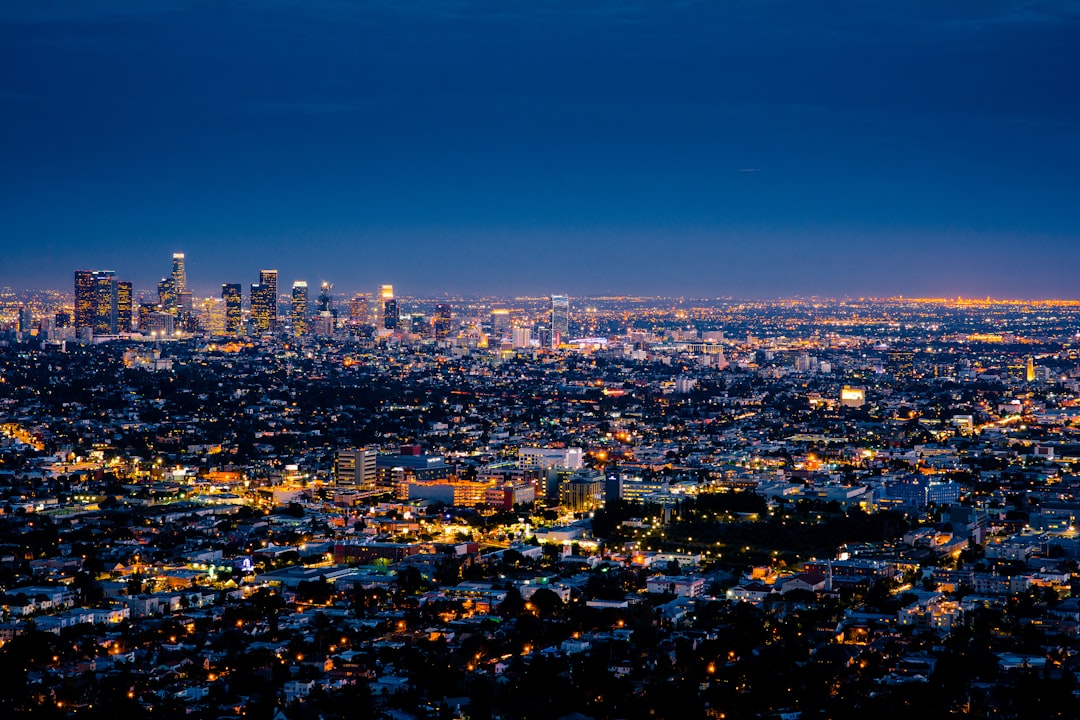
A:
x: 715, y: 148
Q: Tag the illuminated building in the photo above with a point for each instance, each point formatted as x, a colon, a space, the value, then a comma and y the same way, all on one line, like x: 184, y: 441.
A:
x: 25, y: 319
x: 522, y: 337
x: 326, y: 300
x: 123, y: 307
x: 179, y: 273
x: 442, y: 320
x: 166, y: 289
x: 85, y: 299
x: 852, y: 397
x: 356, y: 468
x: 264, y: 302
x: 902, y: 363
x: 500, y: 323
x: 560, y: 319
x: 160, y: 324
x: 144, y: 316
x: 583, y: 492
x: 299, y: 307
x: 185, y: 307
x: 105, y: 302
x: 358, y: 309
x: 390, y: 310
x: 212, y: 313
x: 1029, y: 372
x: 231, y: 294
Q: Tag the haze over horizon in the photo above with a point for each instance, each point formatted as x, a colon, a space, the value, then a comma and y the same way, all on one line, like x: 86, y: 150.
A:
x: 699, y: 149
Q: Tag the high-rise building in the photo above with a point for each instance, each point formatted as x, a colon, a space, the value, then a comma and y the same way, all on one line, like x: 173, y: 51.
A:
x: 166, y: 290
x: 390, y: 312
x: 299, y: 307
x: 326, y: 299
x: 85, y: 299
x: 123, y: 307
x: 1029, y: 371
x: 442, y: 320
x: 500, y: 323
x: 359, y: 311
x: 264, y: 311
x: 105, y: 310
x: 356, y: 468
x: 179, y: 273
x: 26, y: 320
x: 560, y: 319
x: 231, y: 293
x: 212, y: 315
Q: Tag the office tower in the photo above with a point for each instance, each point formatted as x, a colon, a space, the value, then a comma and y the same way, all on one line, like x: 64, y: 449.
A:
x: 389, y: 307
x: 185, y: 310
x: 359, y: 311
x: 62, y: 320
x: 356, y: 468
x: 268, y: 279
x: 560, y: 319
x: 123, y: 307
x: 105, y: 302
x: 231, y: 293
x: 179, y: 273
x: 264, y: 315
x: 299, y: 307
x: 326, y: 300
x: 26, y: 321
x: 145, y: 309
x: 442, y: 320
x: 85, y: 299
x: 418, y: 324
x: 522, y: 337
x: 212, y: 315
x: 500, y: 323
x: 160, y: 324
x: 166, y: 290
x: 1029, y: 373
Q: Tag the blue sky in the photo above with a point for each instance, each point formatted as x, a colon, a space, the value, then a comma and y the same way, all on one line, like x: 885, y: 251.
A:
x: 750, y: 148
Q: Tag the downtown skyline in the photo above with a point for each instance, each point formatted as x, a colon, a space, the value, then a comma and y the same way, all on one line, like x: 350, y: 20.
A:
x: 586, y: 148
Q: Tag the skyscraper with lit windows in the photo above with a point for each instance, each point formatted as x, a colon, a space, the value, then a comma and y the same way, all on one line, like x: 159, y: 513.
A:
x: 123, y: 307
x: 264, y: 314
x: 560, y: 319
x: 105, y: 310
x: 390, y: 312
x: 359, y: 311
x: 299, y: 307
x: 85, y: 299
x: 231, y: 293
x: 179, y: 273
x: 442, y: 320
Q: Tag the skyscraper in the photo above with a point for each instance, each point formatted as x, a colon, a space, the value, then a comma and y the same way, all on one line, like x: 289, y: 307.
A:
x: 105, y: 309
x: 500, y: 323
x: 179, y: 273
x: 166, y: 290
x: 389, y: 307
x: 123, y: 307
x: 359, y: 311
x: 264, y: 302
x: 85, y: 303
x: 326, y: 300
x: 442, y: 320
x: 560, y: 319
x: 299, y: 307
x: 231, y: 293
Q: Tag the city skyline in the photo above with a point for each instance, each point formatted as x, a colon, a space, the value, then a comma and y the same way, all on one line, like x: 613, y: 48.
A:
x: 588, y: 148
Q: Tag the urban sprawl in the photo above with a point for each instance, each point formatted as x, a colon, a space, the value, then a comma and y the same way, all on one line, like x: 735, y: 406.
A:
x: 264, y: 505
